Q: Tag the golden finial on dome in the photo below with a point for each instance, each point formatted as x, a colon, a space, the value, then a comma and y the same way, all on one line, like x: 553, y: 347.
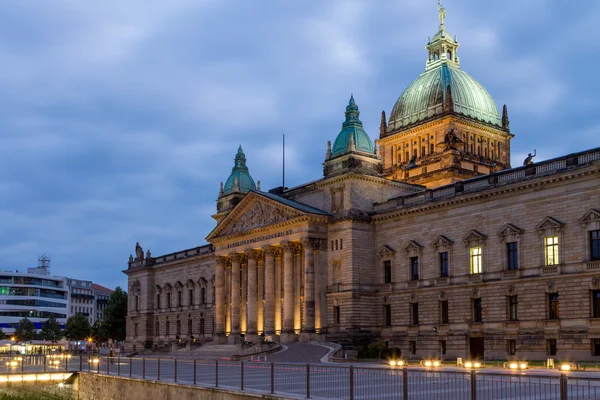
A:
x: 442, y: 12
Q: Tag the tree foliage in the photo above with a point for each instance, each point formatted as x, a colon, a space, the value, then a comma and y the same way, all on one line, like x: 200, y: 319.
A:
x: 2, y: 334
x: 25, y: 331
x: 99, y: 332
x: 51, y: 330
x: 115, y: 314
x: 77, y: 327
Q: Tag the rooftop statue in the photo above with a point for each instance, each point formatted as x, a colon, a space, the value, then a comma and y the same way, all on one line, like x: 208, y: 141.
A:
x: 529, y: 158
x: 442, y: 12
x: 451, y: 140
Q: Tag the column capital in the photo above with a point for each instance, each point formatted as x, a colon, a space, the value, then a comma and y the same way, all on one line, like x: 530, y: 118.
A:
x: 222, y: 261
x: 252, y: 254
x: 239, y: 257
x: 313, y: 243
x: 287, y: 246
x: 270, y: 251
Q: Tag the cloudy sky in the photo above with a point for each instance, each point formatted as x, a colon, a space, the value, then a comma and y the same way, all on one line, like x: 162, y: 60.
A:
x: 118, y: 119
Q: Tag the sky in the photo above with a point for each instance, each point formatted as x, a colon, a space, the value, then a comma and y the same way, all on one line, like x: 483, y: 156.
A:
x: 118, y: 119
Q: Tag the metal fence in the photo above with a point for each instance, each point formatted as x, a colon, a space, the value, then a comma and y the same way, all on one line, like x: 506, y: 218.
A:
x: 326, y: 381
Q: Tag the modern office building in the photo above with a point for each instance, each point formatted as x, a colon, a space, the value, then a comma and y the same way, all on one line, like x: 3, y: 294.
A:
x: 83, y: 300
x: 426, y: 239
x: 101, y: 295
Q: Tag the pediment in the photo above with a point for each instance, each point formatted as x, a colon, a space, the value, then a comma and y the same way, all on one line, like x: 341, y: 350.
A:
x: 178, y: 285
x: 385, y: 250
x: 167, y: 287
x: 256, y: 210
x: 473, y: 236
x: 549, y: 223
x: 510, y: 229
x: 412, y: 245
x: 190, y: 284
x: 157, y: 289
x: 202, y: 281
x: 591, y: 215
x: 442, y: 241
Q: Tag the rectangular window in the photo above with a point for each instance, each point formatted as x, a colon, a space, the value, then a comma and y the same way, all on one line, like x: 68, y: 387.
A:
x: 203, y: 295
x: 414, y: 313
x: 512, y: 308
x: 477, y: 310
x: 512, y: 253
x: 189, y: 327
x: 512, y: 347
x: 332, y: 245
x: 387, y: 271
x: 414, y: 268
x: 551, y: 250
x: 551, y: 347
x: 341, y: 244
x: 443, y: 264
x: 137, y: 303
x: 135, y: 330
x: 178, y: 299
x: 191, y: 297
x: 167, y: 328
x: 444, y: 312
x: 168, y: 300
x: 336, y: 314
x: 157, y: 329
x: 413, y: 347
x: 158, y: 301
x: 595, y: 245
x: 201, y: 330
x: 595, y: 303
x: 596, y: 347
x: 553, y: 306
x: 388, y: 315
x: 443, y: 347
x: 178, y: 333
x: 336, y: 244
x: 476, y: 263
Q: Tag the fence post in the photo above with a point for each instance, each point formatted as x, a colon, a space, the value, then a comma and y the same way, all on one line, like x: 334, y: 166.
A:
x: 272, y: 377
x: 119, y: 364
x: 143, y: 367
x: 130, y: 365
x: 22, y: 364
x: 108, y: 361
x: 308, y: 381
x: 216, y: 373
x: 46, y: 358
x: 175, y: 370
x: 473, y: 385
x: 80, y: 363
x: 194, y: 371
x: 352, y: 382
x: 405, y: 383
x: 98, y: 365
x: 158, y: 373
x: 242, y: 375
x: 563, y: 387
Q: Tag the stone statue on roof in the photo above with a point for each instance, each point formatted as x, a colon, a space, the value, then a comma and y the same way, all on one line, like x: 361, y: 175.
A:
x: 529, y: 158
x: 442, y: 12
x: 451, y: 140
x: 139, y: 252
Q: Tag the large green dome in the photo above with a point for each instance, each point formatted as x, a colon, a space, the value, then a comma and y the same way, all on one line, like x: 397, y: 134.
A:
x: 426, y: 96
x: 352, y: 127
x: 239, y: 175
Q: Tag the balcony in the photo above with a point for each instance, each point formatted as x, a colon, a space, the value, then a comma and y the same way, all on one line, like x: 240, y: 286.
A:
x: 592, y: 265
x: 550, y: 269
x: 510, y: 274
x: 442, y: 281
x: 413, y: 284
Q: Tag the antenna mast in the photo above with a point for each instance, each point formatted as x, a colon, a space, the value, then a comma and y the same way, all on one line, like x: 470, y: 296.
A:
x: 283, y: 166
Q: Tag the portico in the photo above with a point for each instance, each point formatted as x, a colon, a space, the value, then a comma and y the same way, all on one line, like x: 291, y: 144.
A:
x: 271, y: 271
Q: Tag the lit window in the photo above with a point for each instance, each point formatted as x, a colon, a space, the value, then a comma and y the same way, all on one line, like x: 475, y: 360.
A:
x: 553, y: 306
x: 551, y: 250
x: 476, y: 263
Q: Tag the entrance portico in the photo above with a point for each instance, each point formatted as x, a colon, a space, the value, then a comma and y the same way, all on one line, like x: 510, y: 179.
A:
x: 271, y: 261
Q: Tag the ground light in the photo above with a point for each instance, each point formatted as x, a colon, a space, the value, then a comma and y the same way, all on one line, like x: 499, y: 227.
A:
x: 430, y: 363
x: 473, y: 364
x: 565, y: 367
x: 397, y: 363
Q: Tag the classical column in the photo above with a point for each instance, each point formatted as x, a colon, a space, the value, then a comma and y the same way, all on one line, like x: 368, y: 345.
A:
x: 220, y: 296
x: 298, y: 282
x: 252, y: 286
x: 278, y: 289
x: 235, y: 296
x: 269, y: 327
x: 260, y: 305
x: 319, y: 255
x: 309, y: 285
x: 288, y: 288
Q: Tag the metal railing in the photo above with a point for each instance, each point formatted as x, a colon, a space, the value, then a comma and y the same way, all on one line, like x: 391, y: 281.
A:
x: 325, y: 381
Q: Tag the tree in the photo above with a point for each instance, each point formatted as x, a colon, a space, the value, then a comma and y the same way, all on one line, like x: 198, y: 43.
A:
x: 2, y: 334
x: 99, y: 332
x: 77, y: 327
x: 51, y: 330
x: 115, y: 315
x: 25, y: 331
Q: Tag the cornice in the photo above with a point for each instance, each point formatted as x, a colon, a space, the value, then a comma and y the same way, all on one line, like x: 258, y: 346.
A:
x: 466, y: 198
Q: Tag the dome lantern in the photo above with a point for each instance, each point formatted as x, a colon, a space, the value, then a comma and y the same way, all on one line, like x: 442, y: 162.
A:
x: 240, y: 180
x: 352, y: 137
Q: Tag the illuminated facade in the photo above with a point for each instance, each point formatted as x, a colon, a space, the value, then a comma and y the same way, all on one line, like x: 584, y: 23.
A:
x: 425, y: 239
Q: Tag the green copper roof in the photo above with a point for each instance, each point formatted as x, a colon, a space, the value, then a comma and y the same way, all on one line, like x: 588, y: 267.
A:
x: 240, y: 171
x: 352, y: 126
x: 425, y: 98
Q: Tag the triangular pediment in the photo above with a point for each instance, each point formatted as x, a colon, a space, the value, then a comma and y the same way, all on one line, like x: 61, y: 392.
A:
x: 442, y: 241
x: 510, y: 229
x: 549, y: 223
x: 202, y: 281
x: 257, y: 210
x: 167, y: 287
x: 385, y: 250
x: 473, y: 236
x: 190, y: 284
x: 412, y: 245
x: 178, y: 285
x: 590, y: 216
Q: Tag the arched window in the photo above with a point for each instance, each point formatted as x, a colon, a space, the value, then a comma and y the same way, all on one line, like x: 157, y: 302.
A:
x: 449, y: 55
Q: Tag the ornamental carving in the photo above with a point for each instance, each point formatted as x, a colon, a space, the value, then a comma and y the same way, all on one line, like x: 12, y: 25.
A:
x: 257, y: 215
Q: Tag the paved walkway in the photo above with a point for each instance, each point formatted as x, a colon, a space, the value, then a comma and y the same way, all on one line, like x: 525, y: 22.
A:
x: 299, y: 353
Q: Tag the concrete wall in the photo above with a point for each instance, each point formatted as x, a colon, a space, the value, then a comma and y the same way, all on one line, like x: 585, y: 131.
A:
x: 97, y: 387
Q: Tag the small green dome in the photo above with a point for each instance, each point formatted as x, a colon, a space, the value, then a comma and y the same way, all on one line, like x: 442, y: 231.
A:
x: 426, y: 97
x: 245, y: 183
x: 352, y: 127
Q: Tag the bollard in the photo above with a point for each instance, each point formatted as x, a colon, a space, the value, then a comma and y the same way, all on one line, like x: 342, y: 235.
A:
x: 175, y: 369
x: 272, y: 377
x: 242, y: 375
x: 308, y: 381
x: 351, y: 382
x: 216, y: 373
x: 194, y: 372
x: 405, y: 383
